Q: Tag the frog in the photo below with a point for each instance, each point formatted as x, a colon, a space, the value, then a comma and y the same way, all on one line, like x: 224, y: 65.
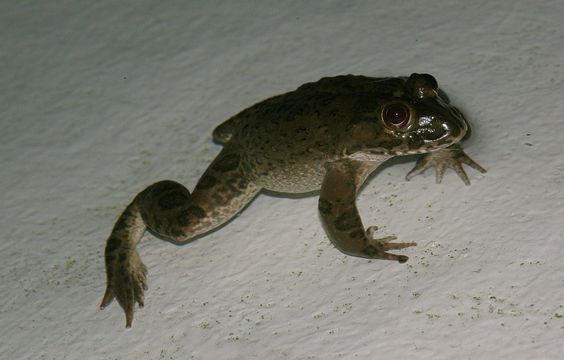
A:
x: 325, y: 137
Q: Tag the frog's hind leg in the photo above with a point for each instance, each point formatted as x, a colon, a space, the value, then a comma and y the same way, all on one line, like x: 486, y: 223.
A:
x: 168, y: 209
x: 337, y: 207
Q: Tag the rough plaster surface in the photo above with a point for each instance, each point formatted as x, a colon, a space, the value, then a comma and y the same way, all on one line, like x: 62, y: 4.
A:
x: 99, y: 99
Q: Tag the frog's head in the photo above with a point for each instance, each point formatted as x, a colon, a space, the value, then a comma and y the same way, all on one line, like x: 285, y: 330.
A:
x: 415, y: 117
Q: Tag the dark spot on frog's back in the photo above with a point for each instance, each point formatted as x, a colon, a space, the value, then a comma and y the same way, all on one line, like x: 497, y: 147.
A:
x: 227, y: 163
x: 173, y: 200
x: 242, y: 184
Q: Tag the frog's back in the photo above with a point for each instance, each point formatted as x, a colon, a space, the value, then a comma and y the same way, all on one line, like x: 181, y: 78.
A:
x: 311, y: 100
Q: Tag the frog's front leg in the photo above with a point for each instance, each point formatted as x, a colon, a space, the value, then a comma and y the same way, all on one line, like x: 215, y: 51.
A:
x: 451, y: 157
x: 337, y: 206
x: 168, y: 209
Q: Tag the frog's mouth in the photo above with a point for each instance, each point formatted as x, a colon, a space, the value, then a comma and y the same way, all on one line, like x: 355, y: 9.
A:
x: 400, y: 152
x: 397, y: 151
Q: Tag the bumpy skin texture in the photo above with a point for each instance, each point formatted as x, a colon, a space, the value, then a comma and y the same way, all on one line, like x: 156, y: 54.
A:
x: 328, y: 135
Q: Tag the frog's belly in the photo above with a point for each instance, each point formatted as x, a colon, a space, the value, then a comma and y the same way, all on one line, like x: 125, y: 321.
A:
x: 293, y: 179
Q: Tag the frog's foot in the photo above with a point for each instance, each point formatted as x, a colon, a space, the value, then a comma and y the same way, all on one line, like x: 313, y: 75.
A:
x: 381, y: 245
x: 452, y: 157
x: 127, y: 281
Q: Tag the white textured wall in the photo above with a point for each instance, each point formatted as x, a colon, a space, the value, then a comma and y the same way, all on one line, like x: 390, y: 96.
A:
x: 99, y: 99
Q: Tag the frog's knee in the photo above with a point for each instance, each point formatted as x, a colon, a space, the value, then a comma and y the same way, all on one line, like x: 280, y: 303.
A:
x: 164, y: 195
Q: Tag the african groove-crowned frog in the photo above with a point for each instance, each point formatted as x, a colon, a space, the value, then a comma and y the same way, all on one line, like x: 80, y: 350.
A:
x: 329, y: 136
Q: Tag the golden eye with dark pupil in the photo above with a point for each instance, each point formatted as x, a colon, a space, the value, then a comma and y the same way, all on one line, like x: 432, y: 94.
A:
x: 395, y: 115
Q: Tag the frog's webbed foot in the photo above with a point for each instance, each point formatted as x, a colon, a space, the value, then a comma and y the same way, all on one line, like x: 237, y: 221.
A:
x: 451, y: 157
x: 385, y: 243
x: 127, y: 281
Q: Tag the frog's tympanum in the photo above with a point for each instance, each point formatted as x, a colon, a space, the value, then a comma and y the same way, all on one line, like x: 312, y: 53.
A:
x: 329, y: 136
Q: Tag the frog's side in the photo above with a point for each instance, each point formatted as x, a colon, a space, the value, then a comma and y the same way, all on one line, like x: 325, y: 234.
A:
x: 328, y: 135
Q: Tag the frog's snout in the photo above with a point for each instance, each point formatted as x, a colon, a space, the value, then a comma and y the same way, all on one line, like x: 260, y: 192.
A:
x: 444, y: 133
x: 461, y: 127
x: 456, y: 130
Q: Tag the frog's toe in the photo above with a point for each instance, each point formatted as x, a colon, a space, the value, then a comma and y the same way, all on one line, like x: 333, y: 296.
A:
x: 132, y: 287
x: 453, y: 164
x: 464, y: 158
x: 370, y: 231
x: 140, y: 285
x: 385, y: 243
x: 375, y: 250
x: 108, y: 297
x: 421, y: 165
x: 402, y: 259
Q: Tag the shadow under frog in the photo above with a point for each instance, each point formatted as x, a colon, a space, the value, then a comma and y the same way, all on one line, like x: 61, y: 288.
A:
x: 325, y: 136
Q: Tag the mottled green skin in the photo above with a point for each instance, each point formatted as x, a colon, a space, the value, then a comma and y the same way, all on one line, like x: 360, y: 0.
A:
x: 328, y: 135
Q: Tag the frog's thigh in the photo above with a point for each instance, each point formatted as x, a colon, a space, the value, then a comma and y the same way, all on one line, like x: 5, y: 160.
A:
x: 170, y: 210
x: 337, y: 207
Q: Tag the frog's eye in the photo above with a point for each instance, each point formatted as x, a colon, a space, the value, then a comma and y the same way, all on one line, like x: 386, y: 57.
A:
x: 395, y: 115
